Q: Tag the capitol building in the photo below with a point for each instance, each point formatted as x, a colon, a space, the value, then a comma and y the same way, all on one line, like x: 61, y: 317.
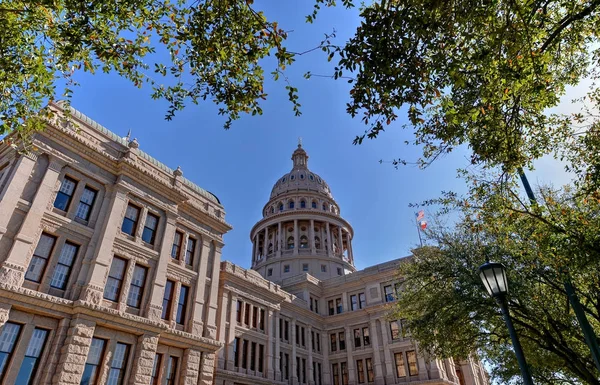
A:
x: 111, y: 272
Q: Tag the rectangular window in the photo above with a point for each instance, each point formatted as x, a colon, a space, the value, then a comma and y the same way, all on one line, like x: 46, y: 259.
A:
x: 130, y: 220
x: 323, y: 268
x: 245, y: 354
x: 38, y: 263
x: 333, y: 342
x: 253, y: 356
x: 400, y: 369
x: 344, y: 369
x: 65, y: 194
x: 336, y: 374
x: 286, y: 268
x: 297, y: 334
x: 269, y: 272
x: 247, y: 315
x: 112, y: 290
x: 360, y: 370
x: 261, y: 323
x: 366, y: 337
x: 84, y: 209
x: 149, y: 232
x: 389, y: 293
x: 287, y: 366
x: 338, y: 305
x: 411, y: 357
x: 362, y: 301
x: 236, y: 351
x: 118, y: 364
x: 62, y: 271
x: 370, y: 373
x: 305, y: 267
x: 190, y: 250
x: 395, y: 330
x: 357, y: 339
x: 30, y: 362
x: 318, y: 342
x: 167, y: 300
x: 342, y: 340
x: 320, y: 373
x: 353, y: 302
x: 254, y: 316
x: 156, y: 369
x: 176, y: 248
x: 136, y: 289
x: 238, y: 315
x: 298, y: 369
x: 92, y: 364
x: 314, y: 372
x: 287, y: 328
x: 261, y: 354
x: 8, y: 340
x: 302, y: 336
x: 339, y: 271
x: 331, y: 307
x: 172, y: 370
x: 312, y: 340
x: 316, y: 306
x: 182, y: 304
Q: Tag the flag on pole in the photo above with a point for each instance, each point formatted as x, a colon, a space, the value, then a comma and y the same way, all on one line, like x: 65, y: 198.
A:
x: 423, y: 225
x: 420, y: 215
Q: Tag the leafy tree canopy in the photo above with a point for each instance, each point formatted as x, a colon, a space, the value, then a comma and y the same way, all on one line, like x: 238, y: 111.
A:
x: 482, y: 73
x: 215, y: 48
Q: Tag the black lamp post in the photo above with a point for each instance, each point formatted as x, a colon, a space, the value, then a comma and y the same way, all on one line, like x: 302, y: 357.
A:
x: 493, y: 276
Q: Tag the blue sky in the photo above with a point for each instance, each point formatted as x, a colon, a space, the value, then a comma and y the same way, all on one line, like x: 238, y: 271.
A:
x: 241, y: 165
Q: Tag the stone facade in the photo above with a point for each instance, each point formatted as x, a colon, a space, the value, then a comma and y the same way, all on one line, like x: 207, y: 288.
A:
x: 111, y: 273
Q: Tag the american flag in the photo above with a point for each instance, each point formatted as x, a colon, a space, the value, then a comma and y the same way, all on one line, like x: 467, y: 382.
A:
x: 420, y: 215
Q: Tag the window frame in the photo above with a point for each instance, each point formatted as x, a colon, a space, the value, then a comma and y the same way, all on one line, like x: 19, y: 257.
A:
x: 150, y: 229
x: 141, y: 287
x: 119, y: 280
x: 121, y: 371
x: 90, y: 206
x: 172, y: 369
x: 134, y: 223
x: 39, y: 257
x: 167, y: 312
x: 37, y: 359
x: 412, y: 354
x: 190, y: 254
x: 156, y: 369
x: 176, y: 247
x: 69, y: 198
x: 69, y: 268
x: 181, y: 315
x: 15, y: 342
x: 97, y: 367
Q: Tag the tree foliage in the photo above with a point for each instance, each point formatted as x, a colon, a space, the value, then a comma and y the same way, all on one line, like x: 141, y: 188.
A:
x: 481, y: 73
x: 450, y: 314
x: 214, y: 48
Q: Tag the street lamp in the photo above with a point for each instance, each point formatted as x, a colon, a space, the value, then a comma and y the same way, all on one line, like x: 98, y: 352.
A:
x: 493, y: 276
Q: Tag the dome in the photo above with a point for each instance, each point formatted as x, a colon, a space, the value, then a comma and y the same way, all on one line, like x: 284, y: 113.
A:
x: 300, y: 178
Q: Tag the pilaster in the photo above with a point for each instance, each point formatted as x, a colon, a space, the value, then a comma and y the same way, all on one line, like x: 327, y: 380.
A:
x: 207, y: 369
x: 379, y: 379
x: 210, y: 328
x: 144, y: 359
x: 270, y: 330
x: 14, y: 188
x: 74, y: 352
x: 190, y: 366
x: 296, y: 236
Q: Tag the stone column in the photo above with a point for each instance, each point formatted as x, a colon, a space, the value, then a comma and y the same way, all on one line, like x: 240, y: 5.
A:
x: 279, y: 243
x: 379, y: 378
x: 99, y: 253
x: 74, y: 352
x: 210, y: 328
x: 389, y: 363
x: 296, y: 234
x: 190, y: 366
x: 207, y: 369
x: 266, y: 242
x: 311, y: 239
x: 329, y: 240
x: 157, y: 290
x: 309, y: 363
x: 231, y: 332
x: 326, y: 365
x: 12, y: 270
x: 340, y: 242
x: 144, y: 357
x: 350, y: 355
x: 350, y: 252
x: 254, y: 250
x: 15, y: 183
x: 423, y: 375
x: 294, y: 376
x: 276, y: 333
x: 270, y: 330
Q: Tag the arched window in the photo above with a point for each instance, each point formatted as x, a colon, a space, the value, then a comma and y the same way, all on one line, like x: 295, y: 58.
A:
x: 281, y: 207
x: 303, y: 242
x: 314, y: 204
x: 291, y: 205
x: 324, y: 207
x: 302, y: 204
x: 317, y: 242
x: 290, y: 243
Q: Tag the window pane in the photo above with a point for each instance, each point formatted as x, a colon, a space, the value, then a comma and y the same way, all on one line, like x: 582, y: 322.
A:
x: 8, y: 338
x: 117, y: 268
x: 63, y: 268
x: 67, y: 186
x: 166, y: 311
x: 151, y: 221
x: 95, y: 354
x: 182, y: 305
x: 30, y: 362
x: 112, y: 289
x: 191, y: 248
x: 132, y: 213
x: 88, y: 196
x: 36, y: 269
x: 411, y: 357
x: 85, y: 203
x: 400, y: 370
x: 136, y: 290
x: 117, y: 372
x: 44, y: 246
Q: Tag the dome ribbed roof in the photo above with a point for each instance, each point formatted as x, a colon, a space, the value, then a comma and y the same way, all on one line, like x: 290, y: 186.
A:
x: 300, y: 178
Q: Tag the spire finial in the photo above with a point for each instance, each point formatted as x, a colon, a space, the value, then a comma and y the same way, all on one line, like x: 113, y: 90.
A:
x: 299, y: 141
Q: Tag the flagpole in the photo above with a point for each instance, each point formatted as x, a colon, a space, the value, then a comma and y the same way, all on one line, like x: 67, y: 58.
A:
x: 418, y: 229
